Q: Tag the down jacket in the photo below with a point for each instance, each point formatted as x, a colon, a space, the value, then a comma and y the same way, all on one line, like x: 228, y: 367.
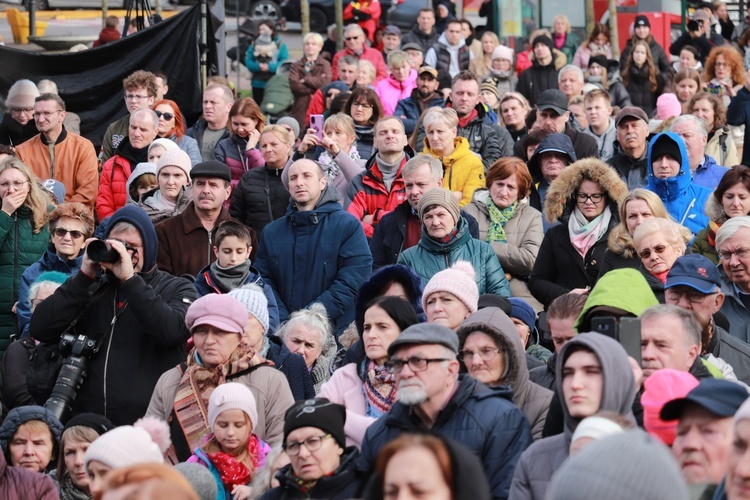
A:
x: 559, y: 267
x: 523, y: 238
x: 533, y: 399
x: 23, y: 484
x: 260, y: 198
x: 231, y: 150
x: 482, y: 419
x: 462, y: 170
x: 391, y: 91
x: 112, y: 193
x: 430, y: 257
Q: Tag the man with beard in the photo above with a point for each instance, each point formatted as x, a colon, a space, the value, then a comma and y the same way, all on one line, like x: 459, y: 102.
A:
x: 433, y: 396
x: 423, y: 97
x: 186, y: 240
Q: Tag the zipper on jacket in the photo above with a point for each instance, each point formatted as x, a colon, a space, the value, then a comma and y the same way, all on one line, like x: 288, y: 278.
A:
x: 15, y: 256
x: 109, y: 344
x: 208, y: 254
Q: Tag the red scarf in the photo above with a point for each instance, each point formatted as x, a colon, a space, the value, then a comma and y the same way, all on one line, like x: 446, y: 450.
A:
x: 232, y: 471
x: 463, y: 122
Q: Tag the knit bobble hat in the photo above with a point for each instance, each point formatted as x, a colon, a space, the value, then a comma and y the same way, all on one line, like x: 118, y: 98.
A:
x: 232, y: 396
x: 143, y: 442
x: 490, y: 86
x: 22, y: 95
x: 252, y: 297
x: 668, y: 106
x: 457, y: 280
x: 167, y: 144
x: 441, y: 197
x: 502, y: 52
x: 175, y: 157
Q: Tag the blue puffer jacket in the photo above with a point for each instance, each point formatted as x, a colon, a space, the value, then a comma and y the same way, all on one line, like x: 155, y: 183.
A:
x: 683, y: 199
x: 481, y: 418
x: 408, y: 109
x: 429, y: 257
x: 50, y: 261
x: 709, y: 174
x: 320, y: 255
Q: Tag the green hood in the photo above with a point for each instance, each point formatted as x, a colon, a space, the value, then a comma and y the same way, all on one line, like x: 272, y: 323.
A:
x: 624, y: 289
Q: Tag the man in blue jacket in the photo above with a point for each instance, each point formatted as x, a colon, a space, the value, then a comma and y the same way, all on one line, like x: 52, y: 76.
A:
x: 317, y: 252
x: 423, y: 97
x: 704, y: 169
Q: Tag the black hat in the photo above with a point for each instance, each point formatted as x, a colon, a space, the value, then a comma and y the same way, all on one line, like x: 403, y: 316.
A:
x: 211, y: 168
x: 553, y: 99
x: 642, y: 21
x: 543, y: 39
x: 720, y: 397
x: 599, y: 59
x: 665, y: 145
x: 319, y: 413
x: 494, y: 300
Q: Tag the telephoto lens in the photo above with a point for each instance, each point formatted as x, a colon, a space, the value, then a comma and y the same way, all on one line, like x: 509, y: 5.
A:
x: 101, y: 251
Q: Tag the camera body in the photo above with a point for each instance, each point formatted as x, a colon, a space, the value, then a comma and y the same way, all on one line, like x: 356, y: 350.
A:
x: 77, y: 350
x: 101, y: 251
x: 692, y: 25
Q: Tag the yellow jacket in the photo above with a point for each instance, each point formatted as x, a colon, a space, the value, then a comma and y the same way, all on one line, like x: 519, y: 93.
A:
x: 462, y: 170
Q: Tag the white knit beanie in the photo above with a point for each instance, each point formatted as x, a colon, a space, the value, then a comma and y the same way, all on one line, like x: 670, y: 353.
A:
x: 22, y: 95
x: 502, y: 52
x: 143, y: 442
x: 232, y: 396
x: 457, y: 280
x: 175, y: 157
x: 252, y: 297
x: 167, y: 144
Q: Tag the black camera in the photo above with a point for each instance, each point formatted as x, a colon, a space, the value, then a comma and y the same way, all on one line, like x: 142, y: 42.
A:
x: 101, y: 251
x: 77, y: 349
x: 692, y: 25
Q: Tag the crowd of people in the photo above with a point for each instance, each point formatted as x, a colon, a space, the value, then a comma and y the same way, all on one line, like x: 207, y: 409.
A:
x: 449, y: 269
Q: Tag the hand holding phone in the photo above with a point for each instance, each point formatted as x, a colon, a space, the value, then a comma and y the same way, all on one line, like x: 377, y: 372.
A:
x: 316, y: 122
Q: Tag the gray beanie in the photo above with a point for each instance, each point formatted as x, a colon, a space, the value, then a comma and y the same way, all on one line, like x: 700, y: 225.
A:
x: 22, y: 95
x: 292, y: 122
x: 441, y: 197
x: 252, y: 297
x: 200, y: 478
x: 620, y: 467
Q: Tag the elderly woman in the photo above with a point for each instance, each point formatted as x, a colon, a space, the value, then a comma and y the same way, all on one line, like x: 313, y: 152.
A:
x: 218, y: 324
x: 509, y: 223
x: 451, y: 296
x: 514, y: 108
x: 260, y: 197
x: 365, y: 109
x: 492, y: 352
x: 321, y: 465
x: 658, y: 242
x: 463, y: 169
x: 171, y: 195
x: 172, y: 126
x: 24, y: 236
x: 446, y: 240
x: 239, y: 151
x: 308, y: 333
x: 29, y: 438
x: 720, y: 144
x: 584, y: 199
x: 307, y: 75
x: 71, y: 224
x: 731, y: 198
x: 565, y: 40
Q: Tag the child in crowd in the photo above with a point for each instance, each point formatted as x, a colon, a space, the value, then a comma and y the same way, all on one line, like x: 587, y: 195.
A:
x: 232, y: 452
x: 141, y: 181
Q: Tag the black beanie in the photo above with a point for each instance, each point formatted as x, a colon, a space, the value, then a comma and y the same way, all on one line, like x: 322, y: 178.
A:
x: 543, y: 39
x: 319, y: 413
x: 664, y: 145
x: 99, y: 423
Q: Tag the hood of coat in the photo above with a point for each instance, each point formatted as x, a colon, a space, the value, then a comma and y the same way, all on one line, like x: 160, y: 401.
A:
x: 715, y: 211
x: 136, y: 216
x: 140, y: 169
x: 560, y: 198
x: 557, y: 143
x: 328, y: 202
x: 671, y: 187
x: 380, y: 281
x: 443, y: 40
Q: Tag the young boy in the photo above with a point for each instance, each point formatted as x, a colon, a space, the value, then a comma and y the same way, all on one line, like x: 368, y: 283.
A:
x: 233, y: 269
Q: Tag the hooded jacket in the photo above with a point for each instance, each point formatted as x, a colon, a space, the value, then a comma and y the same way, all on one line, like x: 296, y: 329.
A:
x: 537, y: 464
x: 462, y: 170
x: 705, y: 242
x: 482, y: 419
x: 559, y: 267
x: 709, y: 173
x: 605, y: 142
x: 115, y: 174
x: 141, y: 323
x: 156, y: 213
x: 430, y: 257
x: 327, y: 247
x: 139, y: 170
x: 391, y: 91
x: 533, y: 399
x: 683, y: 199
x: 19, y: 416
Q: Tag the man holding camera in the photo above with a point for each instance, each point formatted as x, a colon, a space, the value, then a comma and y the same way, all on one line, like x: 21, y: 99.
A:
x: 135, y: 314
x: 698, y: 35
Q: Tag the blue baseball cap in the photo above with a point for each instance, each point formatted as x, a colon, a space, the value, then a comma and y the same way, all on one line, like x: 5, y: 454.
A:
x: 720, y: 397
x: 695, y: 271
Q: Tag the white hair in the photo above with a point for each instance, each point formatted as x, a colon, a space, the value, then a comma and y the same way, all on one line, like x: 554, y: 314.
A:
x: 700, y: 124
x: 730, y: 227
x: 568, y: 68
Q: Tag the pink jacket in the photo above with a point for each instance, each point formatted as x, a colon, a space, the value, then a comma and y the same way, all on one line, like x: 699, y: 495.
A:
x: 391, y: 91
x: 345, y: 388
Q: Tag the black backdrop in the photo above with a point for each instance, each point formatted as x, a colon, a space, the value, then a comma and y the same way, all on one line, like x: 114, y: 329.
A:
x: 90, y: 81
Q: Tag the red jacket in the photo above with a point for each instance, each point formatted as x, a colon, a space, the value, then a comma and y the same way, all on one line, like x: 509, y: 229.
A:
x: 369, y: 54
x: 112, y: 191
x: 369, y: 8
x: 317, y: 106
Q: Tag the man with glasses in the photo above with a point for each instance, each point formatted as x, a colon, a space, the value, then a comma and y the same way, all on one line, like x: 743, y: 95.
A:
x: 733, y: 248
x: 433, y: 396
x: 56, y: 153
x: 140, y: 93
x: 354, y: 39
x: 694, y: 283
x: 18, y: 124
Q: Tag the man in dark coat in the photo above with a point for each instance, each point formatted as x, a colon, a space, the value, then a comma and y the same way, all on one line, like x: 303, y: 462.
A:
x: 423, y: 97
x: 631, y: 147
x: 542, y: 75
x: 136, y: 314
x: 423, y: 33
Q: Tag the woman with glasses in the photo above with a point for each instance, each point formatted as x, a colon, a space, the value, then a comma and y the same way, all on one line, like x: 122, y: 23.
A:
x: 658, y: 243
x: 584, y: 200
x: 724, y: 72
x: 366, y: 389
x: 365, y: 109
x: 240, y: 150
x: 71, y: 224
x: 24, y: 236
x: 172, y: 126
x: 491, y: 351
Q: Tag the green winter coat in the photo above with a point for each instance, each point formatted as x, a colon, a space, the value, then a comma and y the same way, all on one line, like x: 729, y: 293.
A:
x: 429, y: 257
x: 19, y: 248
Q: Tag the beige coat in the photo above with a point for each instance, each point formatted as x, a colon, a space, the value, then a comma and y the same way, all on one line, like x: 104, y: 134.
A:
x: 714, y: 149
x: 524, y: 235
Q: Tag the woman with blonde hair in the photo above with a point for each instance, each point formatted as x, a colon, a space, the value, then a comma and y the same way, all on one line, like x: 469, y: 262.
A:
x: 239, y: 151
x: 565, y: 40
x: 481, y: 66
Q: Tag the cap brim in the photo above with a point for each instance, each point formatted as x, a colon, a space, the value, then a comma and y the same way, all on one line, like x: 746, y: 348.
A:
x: 560, y: 111
x: 630, y: 116
x: 219, y: 322
x: 673, y: 409
x: 694, y: 283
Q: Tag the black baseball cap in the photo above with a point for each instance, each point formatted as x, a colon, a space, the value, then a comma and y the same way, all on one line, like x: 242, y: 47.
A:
x: 720, y: 397
x: 553, y: 99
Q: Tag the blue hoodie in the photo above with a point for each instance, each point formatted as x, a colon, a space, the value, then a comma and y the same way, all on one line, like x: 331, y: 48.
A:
x: 683, y: 199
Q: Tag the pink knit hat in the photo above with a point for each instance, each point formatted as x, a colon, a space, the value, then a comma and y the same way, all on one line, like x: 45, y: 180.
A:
x: 232, y: 396
x: 175, y: 157
x: 668, y: 106
x: 661, y: 387
x: 457, y: 280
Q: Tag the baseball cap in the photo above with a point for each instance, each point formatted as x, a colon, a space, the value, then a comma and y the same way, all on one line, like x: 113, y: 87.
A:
x: 426, y: 333
x: 695, y: 271
x: 642, y: 21
x: 699, y: 15
x: 428, y: 69
x: 720, y: 397
x: 631, y: 112
x: 392, y: 29
x: 412, y: 46
x: 553, y: 99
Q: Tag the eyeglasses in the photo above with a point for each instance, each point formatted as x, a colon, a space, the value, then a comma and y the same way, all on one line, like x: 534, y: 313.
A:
x: 46, y: 114
x: 486, y: 353
x: 362, y: 105
x: 595, y: 198
x: 135, y: 97
x: 721, y: 65
x: 658, y: 249
x: 740, y: 253
x: 24, y: 111
x: 16, y: 184
x: 312, y: 443
x: 60, y: 232
x: 350, y: 38
x: 693, y: 296
x: 416, y: 364
x: 167, y: 116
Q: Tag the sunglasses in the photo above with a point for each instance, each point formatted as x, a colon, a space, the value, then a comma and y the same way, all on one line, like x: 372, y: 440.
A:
x: 658, y: 249
x: 60, y: 232
x: 350, y: 38
x: 167, y: 116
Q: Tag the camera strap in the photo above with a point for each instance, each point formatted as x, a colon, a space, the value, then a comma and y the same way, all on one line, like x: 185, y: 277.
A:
x: 93, y: 298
